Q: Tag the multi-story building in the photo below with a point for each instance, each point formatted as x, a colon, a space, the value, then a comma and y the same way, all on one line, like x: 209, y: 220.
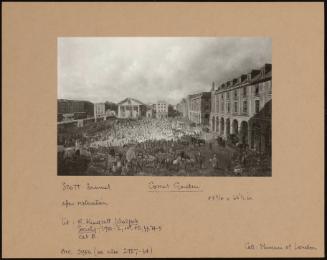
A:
x: 242, y: 107
x: 161, y: 109
x: 99, y: 111
x: 199, y: 108
x: 78, y: 108
x: 182, y: 107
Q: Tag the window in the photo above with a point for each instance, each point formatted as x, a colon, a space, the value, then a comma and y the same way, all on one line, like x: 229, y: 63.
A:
x: 235, y: 107
x: 244, y: 91
x: 227, y: 95
x: 256, y: 90
x: 245, y: 106
x: 257, y: 106
x: 235, y: 93
x: 228, y: 107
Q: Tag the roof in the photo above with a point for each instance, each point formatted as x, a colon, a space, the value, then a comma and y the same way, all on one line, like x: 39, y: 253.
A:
x: 200, y: 94
x: 131, y: 101
x: 256, y: 76
x: 72, y: 100
x: 261, y: 77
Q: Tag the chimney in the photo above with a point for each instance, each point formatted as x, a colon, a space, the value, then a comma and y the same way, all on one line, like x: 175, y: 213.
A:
x: 267, y: 68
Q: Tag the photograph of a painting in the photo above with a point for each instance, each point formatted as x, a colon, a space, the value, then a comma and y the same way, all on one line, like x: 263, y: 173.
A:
x: 164, y: 106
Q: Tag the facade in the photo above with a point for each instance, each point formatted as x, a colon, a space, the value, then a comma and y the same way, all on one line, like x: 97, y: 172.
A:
x: 131, y: 108
x: 99, y: 111
x: 161, y: 109
x: 182, y: 107
x: 79, y: 108
x: 149, y: 112
x: 242, y: 107
x: 199, y: 108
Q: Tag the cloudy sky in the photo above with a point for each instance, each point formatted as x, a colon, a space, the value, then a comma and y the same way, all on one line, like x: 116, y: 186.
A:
x: 152, y: 68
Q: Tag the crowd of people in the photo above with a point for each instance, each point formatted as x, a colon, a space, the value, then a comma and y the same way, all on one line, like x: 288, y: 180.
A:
x: 125, y: 132
x: 143, y: 147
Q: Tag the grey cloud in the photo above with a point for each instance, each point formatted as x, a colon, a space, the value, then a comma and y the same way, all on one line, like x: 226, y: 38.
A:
x: 152, y: 68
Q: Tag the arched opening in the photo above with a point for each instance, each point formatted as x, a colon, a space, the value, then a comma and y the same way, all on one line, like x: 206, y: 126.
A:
x: 222, y: 126
x: 235, y: 127
x: 217, y: 124
x: 227, y: 127
x: 257, y: 136
x: 244, y: 133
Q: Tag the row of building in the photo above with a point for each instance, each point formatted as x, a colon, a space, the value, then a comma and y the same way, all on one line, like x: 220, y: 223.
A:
x: 80, y: 109
x: 69, y: 110
x: 240, y: 106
